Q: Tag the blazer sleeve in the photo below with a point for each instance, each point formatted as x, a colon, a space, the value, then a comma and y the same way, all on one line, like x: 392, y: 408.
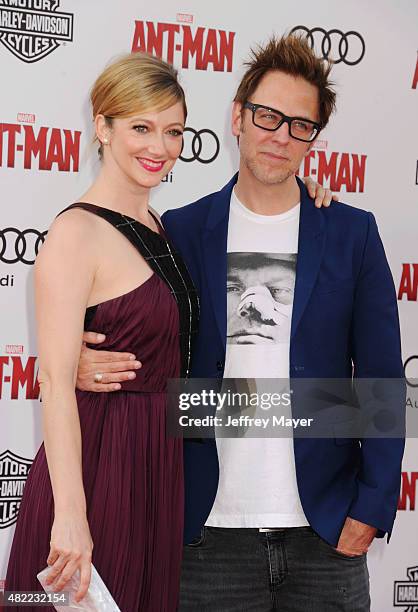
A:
x: 376, y: 354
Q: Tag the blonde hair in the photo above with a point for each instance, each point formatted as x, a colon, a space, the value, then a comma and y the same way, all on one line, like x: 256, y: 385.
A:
x: 135, y: 83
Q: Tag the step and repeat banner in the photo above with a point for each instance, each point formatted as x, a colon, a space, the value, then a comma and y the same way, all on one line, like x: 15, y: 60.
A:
x: 50, y: 53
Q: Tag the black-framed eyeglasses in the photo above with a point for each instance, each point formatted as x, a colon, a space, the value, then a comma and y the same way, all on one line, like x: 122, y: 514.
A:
x: 271, y: 119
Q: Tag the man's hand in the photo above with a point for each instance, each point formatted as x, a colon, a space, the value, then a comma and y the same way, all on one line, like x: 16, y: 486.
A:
x: 114, y: 368
x: 355, y: 538
x: 322, y: 196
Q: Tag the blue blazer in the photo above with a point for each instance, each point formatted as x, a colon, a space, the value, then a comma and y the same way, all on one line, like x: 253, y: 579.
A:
x: 344, y: 315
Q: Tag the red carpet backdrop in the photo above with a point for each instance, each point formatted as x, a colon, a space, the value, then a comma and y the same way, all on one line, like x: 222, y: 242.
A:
x: 50, y: 53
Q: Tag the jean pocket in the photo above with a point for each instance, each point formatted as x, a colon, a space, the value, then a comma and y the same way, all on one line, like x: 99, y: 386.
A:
x: 341, y: 555
x: 349, y: 557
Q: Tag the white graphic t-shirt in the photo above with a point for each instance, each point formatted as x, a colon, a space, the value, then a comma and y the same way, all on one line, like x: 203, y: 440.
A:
x: 257, y: 480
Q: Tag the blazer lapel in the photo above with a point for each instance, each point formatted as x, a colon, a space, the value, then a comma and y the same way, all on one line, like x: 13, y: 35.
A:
x: 214, y: 245
x: 310, y: 251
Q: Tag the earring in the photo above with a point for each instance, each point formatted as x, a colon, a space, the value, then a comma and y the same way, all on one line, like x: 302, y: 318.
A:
x: 105, y: 141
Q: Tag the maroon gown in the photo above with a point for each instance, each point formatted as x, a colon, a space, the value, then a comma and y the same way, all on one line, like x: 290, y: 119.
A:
x: 132, y: 470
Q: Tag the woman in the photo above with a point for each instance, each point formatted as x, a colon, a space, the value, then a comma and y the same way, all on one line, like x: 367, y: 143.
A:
x: 107, y: 474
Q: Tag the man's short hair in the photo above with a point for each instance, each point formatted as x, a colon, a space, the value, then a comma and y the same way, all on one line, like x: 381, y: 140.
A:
x: 292, y: 55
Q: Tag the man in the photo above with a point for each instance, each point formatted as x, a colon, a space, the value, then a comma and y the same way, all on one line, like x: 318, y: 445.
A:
x: 285, y: 524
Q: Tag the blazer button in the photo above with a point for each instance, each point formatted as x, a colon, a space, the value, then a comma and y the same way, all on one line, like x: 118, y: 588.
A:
x: 219, y: 366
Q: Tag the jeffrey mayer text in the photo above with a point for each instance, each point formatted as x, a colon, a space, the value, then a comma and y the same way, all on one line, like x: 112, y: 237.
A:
x: 282, y: 421
x: 243, y: 421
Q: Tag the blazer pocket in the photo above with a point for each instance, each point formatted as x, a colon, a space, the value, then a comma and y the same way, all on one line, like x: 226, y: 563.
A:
x: 332, y: 286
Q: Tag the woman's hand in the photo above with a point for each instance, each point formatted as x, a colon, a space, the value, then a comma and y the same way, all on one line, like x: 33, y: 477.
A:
x: 71, y: 549
x: 321, y: 195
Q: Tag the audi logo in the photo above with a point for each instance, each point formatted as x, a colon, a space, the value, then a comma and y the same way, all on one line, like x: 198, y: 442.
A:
x: 17, y: 245
x: 202, y: 146
x: 411, y: 382
x: 334, y: 45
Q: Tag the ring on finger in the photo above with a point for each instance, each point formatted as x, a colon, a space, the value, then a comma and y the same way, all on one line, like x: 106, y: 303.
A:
x: 98, y: 377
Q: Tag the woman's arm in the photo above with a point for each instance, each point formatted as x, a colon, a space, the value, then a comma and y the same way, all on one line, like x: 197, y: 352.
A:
x: 64, y: 273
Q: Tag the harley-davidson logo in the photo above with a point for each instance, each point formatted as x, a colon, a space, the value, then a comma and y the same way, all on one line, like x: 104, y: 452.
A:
x: 31, y: 29
x: 13, y: 473
x: 406, y: 592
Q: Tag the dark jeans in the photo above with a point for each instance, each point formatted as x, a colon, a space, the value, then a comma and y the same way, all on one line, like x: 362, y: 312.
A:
x: 291, y: 570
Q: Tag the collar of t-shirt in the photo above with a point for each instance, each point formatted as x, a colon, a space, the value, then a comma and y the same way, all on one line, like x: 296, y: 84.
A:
x: 239, y: 209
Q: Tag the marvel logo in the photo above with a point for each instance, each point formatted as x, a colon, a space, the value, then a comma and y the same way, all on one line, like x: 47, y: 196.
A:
x: 26, y: 118
x: 320, y: 145
x: 14, y: 349
x: 184, y: 18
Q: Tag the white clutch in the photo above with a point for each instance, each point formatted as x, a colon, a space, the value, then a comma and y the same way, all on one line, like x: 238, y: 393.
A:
x: 97, y: 599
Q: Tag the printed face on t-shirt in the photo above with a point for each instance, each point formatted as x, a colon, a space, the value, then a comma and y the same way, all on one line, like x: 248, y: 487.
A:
x: 260, y: 288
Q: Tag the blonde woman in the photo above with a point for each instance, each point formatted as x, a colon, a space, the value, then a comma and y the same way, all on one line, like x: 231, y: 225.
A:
x: 107, y: 484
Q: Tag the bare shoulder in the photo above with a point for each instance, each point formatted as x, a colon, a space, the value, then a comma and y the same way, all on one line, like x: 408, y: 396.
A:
x: 75, y: 220
x: 69, y: 236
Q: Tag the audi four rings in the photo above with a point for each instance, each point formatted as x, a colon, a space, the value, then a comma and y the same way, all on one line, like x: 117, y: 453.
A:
x: 196, y: 147
x: 17, y: 245
x: 342, y: 51
x: 409, y: 380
